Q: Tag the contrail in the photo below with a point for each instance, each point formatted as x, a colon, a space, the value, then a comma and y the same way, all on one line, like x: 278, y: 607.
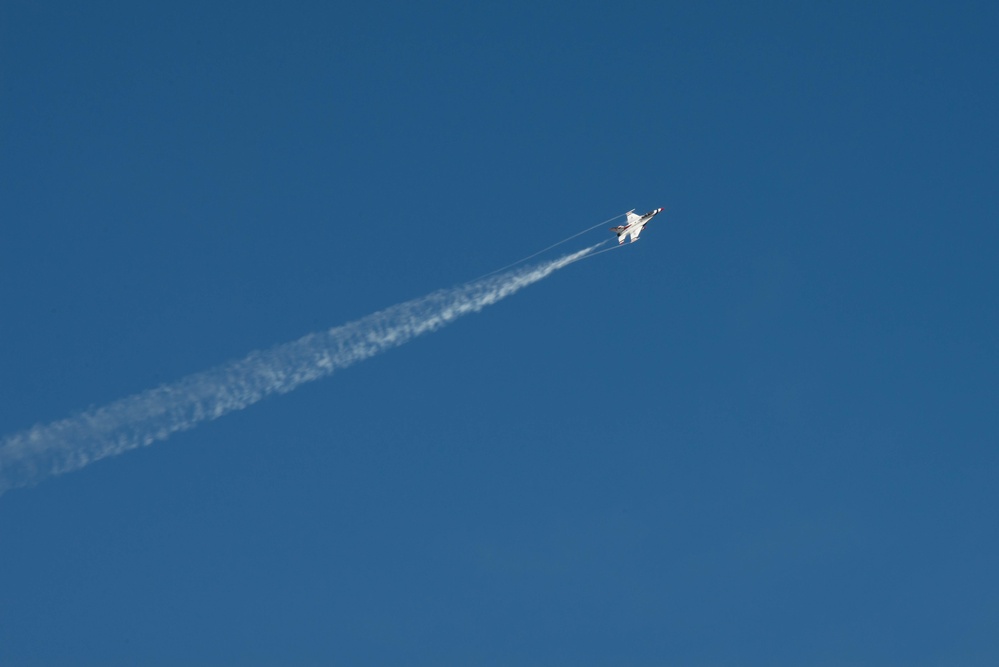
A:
x: 30, y: 456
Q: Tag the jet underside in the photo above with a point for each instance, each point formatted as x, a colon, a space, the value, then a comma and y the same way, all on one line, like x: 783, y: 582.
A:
x: 634, y: 226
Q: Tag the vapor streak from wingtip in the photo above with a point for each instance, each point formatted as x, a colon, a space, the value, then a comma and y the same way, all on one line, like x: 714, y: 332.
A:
x: 30, y: 456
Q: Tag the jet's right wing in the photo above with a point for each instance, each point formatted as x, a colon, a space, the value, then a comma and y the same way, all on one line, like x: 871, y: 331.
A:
x: 632, y: 218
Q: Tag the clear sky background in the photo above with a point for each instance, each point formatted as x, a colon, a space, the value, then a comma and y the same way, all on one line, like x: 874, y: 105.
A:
x: 766, y: 434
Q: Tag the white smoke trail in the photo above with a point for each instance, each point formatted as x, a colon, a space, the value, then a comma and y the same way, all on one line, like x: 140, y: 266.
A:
x: 142, y: 419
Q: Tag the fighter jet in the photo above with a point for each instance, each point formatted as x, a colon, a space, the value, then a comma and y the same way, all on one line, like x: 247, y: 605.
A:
x: 635, y: 225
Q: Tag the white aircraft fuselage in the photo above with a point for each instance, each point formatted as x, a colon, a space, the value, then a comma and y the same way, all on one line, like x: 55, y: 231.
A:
x: 634, y: 226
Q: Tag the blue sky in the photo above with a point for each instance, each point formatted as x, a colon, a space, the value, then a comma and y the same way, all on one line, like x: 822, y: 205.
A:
x: 764, y: 435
